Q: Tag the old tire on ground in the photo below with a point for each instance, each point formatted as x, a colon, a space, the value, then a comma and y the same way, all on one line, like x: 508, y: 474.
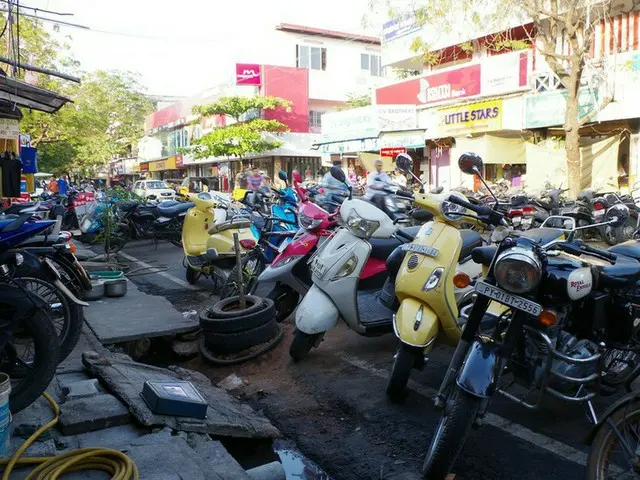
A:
x: 302, y: 344
x: 227, y: 307
x: 259, y: 313
x: 403, y: 363
x: 243, y: 340
x: 242, y: 356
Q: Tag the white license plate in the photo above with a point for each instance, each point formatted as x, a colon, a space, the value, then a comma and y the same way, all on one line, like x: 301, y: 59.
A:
x: 514, y: 301
x: 526, y: 221
x: 516, y: 220
x: 317, y: 268
x: 422, y: 249
x: 598, y: 213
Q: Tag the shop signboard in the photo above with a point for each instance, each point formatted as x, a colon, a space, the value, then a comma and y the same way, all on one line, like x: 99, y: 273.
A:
x: 392, y: 151
x: 171, y: 163
x: 248, y: 74
x: 361, y: 145
x: 367, y: 122
x: 474, y: 117
x: 9, y: 128
x: 179, y: 161
x: 399, y: 27
x: 407, y: 139
x: 144, y: 166
x: 548, y: 109
x: 495, y: 75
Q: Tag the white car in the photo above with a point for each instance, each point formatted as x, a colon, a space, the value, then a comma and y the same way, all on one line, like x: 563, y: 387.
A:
x: 154, y: 190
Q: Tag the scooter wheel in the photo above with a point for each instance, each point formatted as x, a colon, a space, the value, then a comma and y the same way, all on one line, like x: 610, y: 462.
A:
x: 192, y: 275
x: 302, y: 344
x: 403, y: 363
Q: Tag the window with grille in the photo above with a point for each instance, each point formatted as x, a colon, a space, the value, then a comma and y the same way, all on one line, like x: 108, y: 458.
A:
x: 314, y: 58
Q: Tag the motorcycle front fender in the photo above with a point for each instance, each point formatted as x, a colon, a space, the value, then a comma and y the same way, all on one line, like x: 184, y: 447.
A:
x: 316, y: 313
x: 416, y: 324
x: 479, y: 375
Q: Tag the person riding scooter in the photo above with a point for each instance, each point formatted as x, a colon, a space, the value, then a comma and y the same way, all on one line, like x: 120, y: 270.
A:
x: 336, y: 191
x: 381, y: 192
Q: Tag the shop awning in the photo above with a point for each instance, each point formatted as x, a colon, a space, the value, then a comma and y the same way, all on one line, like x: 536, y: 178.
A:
x: 30, y: 96
x: 494, y: 149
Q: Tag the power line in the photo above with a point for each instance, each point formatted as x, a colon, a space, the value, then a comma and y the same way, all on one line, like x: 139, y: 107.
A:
x: 44, y: 19
x: 47, y: 11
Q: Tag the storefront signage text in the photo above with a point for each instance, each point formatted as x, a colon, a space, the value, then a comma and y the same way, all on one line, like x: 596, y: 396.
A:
x: 9, y: 128
x: 392, y: 151
x: 247, y: 74
x: 171, y: 163
x: 470, y: 118
x: 496, y: 75
x: 548, y: 109
x: 367, y: 122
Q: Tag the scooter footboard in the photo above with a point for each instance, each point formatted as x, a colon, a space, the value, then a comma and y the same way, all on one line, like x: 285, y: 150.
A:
x: 316, y: 313
x: 416, y: 324
x: 479, y: 375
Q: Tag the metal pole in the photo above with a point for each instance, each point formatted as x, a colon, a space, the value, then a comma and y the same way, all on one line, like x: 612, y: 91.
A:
x: 239, y: 279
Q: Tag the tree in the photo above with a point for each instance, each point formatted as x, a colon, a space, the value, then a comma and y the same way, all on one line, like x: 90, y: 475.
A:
x: 356, y: 101
x: 555, y: 22
x: 247, y: 134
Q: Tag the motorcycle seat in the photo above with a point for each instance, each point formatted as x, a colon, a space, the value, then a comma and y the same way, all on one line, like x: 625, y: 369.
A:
x: 484, y: 255
x: 542, y: 235
x: 238, y: 222
x: 173, y: 210
x: 470, y: 240
x: 408, y: 233
x: 630, y: 248
x: 128, y: 205
x: 381, y: 248
x: 625, y: 272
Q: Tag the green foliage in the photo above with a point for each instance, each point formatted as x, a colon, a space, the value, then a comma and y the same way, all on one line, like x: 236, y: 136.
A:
x: 55, y: 157
x: 404, y: 73
x: 243, y: 137
x: 357, y: 101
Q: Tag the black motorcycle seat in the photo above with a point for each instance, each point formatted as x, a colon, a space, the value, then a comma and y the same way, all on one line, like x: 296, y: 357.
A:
x: 630, y: 248
x: 542, y: 235
x: 470, y: 240
x: 173, y: 210
x: 484, y: 255
x: 625, y: 272
x: 128, y: 205
x: 381, y: 248
x: 408, y: 233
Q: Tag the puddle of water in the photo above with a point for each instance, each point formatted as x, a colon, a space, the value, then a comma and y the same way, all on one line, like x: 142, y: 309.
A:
x: 296, y: 466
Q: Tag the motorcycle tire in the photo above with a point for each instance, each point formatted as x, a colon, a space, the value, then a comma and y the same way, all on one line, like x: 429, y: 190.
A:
x: 403, y: 363
x: 250, y: 274
x: 605, y: 440
x: 69, y: 326
x: 286, y: 300
x: 228, y: 343
x: 191, y: 275
x: 216, y: 320
x: 611, y: 235
x: 302, y: 344
x: 450, y: 435
x: 44, y: 362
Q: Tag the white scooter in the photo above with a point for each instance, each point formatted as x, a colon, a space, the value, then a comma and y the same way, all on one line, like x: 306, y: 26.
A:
x: 337, y: 268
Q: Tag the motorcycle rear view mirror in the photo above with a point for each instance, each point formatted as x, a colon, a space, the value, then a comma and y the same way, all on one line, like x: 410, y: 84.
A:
x: 297, y: 177
x: 617, y: 215
x: 404, y: 163
x: 282, y: 175
x: 338, y: 174
x: 471, y: 164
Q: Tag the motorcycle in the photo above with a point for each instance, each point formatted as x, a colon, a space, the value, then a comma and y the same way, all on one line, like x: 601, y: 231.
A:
x: 287, y: 278
x: 551, y: 332
x: 159, y: 221
x: 207, y: 237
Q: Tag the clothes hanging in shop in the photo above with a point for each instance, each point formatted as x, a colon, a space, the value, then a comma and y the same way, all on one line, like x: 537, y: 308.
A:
x: 11, y: 174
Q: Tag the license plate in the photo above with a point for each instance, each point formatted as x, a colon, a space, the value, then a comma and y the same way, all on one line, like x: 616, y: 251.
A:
x: 514, y: 301
x: 526, y: 221
x: 516, y: 220
x: 317, y: 268
x: 598, y: 213
x: 422, y: 249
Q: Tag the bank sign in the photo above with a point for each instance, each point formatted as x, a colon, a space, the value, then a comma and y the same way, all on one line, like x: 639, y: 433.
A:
x: 494, y: 76
x: 471, y: 118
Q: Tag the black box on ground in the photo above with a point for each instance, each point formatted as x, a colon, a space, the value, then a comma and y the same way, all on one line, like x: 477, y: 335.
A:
x: 174, y: 398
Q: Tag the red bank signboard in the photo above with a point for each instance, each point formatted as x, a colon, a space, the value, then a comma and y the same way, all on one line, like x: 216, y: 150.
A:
x: 392, y: 151
x: 248, y: 74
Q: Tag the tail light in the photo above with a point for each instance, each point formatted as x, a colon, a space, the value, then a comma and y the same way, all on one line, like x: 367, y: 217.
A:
x: 528, y: 211
x: 515, y: 213
x: 598, y: 206
x: 247, y: 244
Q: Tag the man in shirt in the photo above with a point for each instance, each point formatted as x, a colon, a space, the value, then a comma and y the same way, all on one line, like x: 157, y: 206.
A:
x: 377, y: 180
x: 333, y: 186
x: 63, y: 185
x: 53, y: 185
x: 255, y: 180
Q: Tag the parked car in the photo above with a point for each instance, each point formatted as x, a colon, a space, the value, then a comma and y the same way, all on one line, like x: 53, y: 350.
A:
x: 154, y: 190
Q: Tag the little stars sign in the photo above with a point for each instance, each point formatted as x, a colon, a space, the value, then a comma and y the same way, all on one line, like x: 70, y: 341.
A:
x: 473, y: 117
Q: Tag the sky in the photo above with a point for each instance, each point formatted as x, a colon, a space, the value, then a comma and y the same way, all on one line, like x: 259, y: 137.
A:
x: 179, y: 47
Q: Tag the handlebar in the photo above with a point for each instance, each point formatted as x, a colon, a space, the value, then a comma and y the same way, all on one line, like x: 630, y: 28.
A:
x: 486, y: 214
x: 578, y: 247
x: 402, y: 193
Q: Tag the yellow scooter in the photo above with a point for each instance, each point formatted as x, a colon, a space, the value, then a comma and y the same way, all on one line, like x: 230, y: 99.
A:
x: 207, y: 237
x: 428, y: 286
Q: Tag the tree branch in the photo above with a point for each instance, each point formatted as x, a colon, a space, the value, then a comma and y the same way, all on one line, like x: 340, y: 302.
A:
x: 593, y: 113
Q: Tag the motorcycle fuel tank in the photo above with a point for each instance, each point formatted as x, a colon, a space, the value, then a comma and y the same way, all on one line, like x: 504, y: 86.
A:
x: 567, y: 278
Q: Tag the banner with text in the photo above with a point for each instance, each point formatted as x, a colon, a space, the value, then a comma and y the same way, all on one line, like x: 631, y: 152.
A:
x: 471, y: 118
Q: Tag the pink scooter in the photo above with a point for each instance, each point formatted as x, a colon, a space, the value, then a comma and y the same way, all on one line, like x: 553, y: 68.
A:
x: 288, y: 277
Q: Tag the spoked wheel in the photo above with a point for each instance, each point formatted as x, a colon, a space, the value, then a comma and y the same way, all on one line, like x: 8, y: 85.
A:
x: 452, y: 430
x: 252, y: 266
x: 614, y: 455
x: 30, y: 360
x: 67, y: 317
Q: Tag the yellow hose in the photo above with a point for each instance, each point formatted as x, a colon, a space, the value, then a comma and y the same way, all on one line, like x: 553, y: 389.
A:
x: 114, y: 462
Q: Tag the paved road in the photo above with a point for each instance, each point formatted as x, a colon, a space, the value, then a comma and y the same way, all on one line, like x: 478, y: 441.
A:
x: 334, y: 406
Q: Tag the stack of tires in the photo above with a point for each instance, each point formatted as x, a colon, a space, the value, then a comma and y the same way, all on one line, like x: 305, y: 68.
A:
x: 233, y: 335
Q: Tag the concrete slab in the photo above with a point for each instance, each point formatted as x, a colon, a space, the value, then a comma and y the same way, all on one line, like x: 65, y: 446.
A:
x: 138, y: 316
x: 92, y: 413
x: 226, y: 416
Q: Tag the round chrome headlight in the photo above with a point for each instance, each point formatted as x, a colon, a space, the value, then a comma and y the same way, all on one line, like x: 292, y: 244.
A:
x: 518, y: 270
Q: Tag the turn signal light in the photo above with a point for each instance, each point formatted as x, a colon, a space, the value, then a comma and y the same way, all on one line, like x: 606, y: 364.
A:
x: 461, y: 280
x: 247, y: 243
x: 548, y: 318
x: 72, y: 247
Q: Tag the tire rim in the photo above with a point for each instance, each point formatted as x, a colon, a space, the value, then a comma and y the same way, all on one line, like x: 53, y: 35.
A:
x: 625, y: 468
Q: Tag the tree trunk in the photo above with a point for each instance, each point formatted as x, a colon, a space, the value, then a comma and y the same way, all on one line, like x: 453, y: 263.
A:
x: 572, y: 140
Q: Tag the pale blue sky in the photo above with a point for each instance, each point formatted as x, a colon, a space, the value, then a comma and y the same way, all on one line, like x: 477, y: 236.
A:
x: 177, y: 45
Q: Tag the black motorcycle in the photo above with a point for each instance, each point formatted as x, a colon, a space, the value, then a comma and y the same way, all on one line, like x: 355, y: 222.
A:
x: 29, y: 347
x: 566, y: 329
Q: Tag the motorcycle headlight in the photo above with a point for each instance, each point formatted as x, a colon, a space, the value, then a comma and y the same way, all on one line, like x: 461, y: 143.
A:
x: 309, y: 223
x: 285, y: 261
x: 518, y: 270
x: 361, y: 227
